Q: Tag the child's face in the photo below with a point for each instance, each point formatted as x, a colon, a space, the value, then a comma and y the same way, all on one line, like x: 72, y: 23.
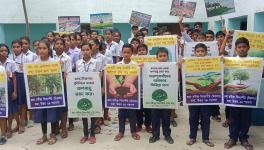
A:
x: 43, y: 50
x: 72, y: 42
x: 93, y: 46
x: 50, y: 37
x: 108, y: 35
x: 141, y: 39
x: 145, y: 33
x: 220, y: 38
x: 86, y: 51
x: 242, y: 50
x: 134, y: 44
x: 25, y: 45
x: 194, y: 36
x: 127, y: 53
x: 201, y: 38
x: 36, y: 45
x: 134, y: 31
x: 84, y: 36
x: 162, y: 57
x: 209, y: 37
x: 78, y: 40
x: 59, y: 47
x: 94, y: 35
x: 3, y: 52
x: 116, y: 37
x: 200, y: 52
x: 17, y: 48
x: 142, y: 51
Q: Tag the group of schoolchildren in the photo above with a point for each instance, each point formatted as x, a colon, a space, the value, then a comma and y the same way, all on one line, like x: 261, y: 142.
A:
x: 90, y: 52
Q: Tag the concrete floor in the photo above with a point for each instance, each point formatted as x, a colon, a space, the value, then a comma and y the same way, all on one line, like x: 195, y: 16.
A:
x: 105, y: 140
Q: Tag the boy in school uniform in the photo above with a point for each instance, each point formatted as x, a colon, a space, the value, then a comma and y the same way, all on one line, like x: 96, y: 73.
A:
x: 240, y: 118
x: 130, y: 113
x: 159, y: 115
x: 112, y: 45
x: 203, y: 111
x: 117, y: 39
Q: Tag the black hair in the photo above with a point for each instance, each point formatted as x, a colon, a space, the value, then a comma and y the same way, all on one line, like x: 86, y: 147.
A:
x: 242, y: 40
x: 65, y: 35
x: 143, y: 29
x: 73, y: 35
x: 162, y: 50
x: 101, y: 46
x: 59, y: 39
x: 135, y: 39
x: 134, y: 27
x: 35, y: 41
x: 119, y: 33
x: 219, y: 33
x: 139, y: 34
x: 200, y: 45
x: 78, y: 34
x: 95, y: 32
x: 210, y: 32
x: 48, y: 45
x: 109, y: 30
x: 55, y: 34
x: 17, y: 41
x: 127, y: 46
x: 195, y: 30
x: 198, y: 23
x: 84, y: 32
x: 202, y: 34
x: 4, y: 45
x: 142, y: 46
x: 50, y: 32
x: 25, y: 38
x: 96, y: 41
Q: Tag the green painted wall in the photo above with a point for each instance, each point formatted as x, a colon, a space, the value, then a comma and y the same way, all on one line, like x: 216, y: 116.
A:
x: 2, y: 34
x: 259, y: 22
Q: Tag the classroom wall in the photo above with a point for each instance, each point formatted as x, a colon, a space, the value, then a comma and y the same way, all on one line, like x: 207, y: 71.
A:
x: 259, y: 22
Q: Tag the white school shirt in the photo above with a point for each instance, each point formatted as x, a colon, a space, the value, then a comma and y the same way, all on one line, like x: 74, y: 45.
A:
x: 130, y: 63
x: 31, y: 57
x: 39, y: 60
x: 90, y: 66
x: 10, y: 66
x: 120, y: 46
x: 109, y: 57
x: 101, y: 60
x: 113, y: 47
x: 78, y: 51
x: 2, y: 69
x: 129, y: 40
x: 20, y: 59
x: 67, y: 62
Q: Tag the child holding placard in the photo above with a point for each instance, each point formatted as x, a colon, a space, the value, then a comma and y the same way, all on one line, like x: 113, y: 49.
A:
x: 161, y: 114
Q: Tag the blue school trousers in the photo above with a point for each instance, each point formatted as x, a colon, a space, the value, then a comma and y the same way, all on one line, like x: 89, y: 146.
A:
x: 194, y: 114
x: 143, y: 113
x: 164, y: 116
x: 85, y: 127
x: 132, y: 116
x: 239, y: 123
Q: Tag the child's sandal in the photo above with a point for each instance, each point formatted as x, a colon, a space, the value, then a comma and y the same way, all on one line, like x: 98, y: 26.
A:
x: 52, y: 140
x: 41, y: 140
x: 135, y: 136
x: 92, y: 139
x: 118, y: 137
x: 83, y: 139
x: 208, y: 143
x: 64, y: 134
x: 191, y: 142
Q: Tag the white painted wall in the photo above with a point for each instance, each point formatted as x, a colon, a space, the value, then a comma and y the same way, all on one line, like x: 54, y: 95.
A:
x: 243, y: 7
x: 47, y: 11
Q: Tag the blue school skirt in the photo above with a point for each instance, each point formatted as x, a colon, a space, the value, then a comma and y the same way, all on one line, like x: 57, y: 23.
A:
x: 64, y: 109
x: 12, y: 104
x: 46, y: 115
x: 21, y: 89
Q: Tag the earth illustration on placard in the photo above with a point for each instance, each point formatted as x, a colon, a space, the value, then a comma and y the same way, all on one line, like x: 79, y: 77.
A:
x: 84, y: 104
x: 159, y: 95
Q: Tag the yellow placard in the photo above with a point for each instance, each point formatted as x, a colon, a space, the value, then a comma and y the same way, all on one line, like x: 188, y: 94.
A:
x: 256, y: 40
x: 2, y: 78
x: 122, y: 69
x: 42, y: 68
x: 144, y: 58
x: 153, y: 41
x: 235, y: 62
x: 202, y: 64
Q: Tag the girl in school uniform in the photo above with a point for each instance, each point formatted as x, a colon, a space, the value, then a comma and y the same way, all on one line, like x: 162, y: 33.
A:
x: 10, y: 68
x: 66, y: 67
x: 50, y: 36
x: 87, y: 64
x: 19, y: 58
x: 46, y: 115
x: 27, y: 57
